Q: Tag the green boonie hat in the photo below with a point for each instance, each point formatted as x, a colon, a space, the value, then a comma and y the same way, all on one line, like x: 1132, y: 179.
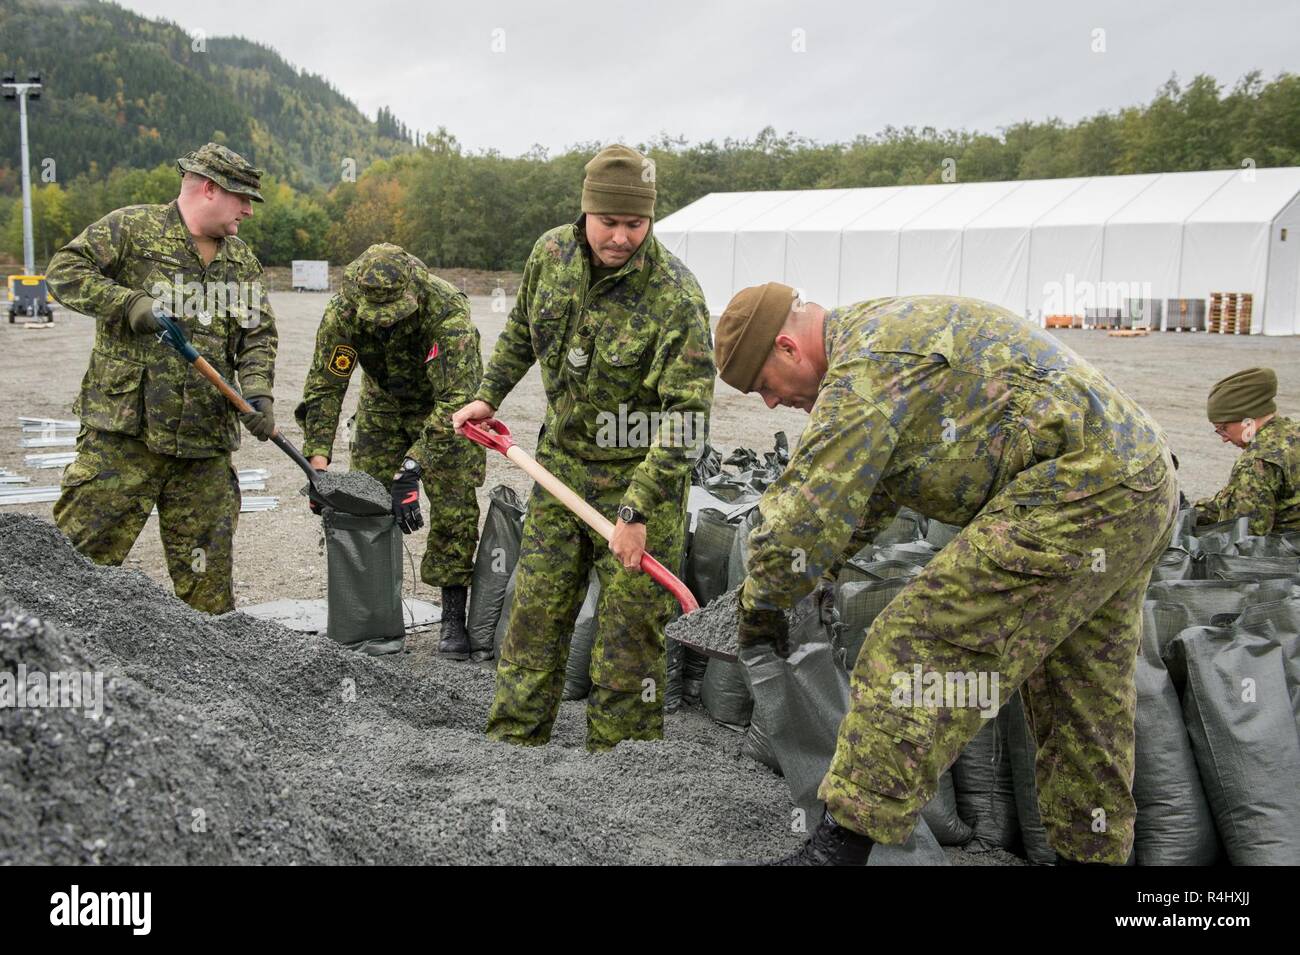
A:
x: 1244, y: 394
x: 229, y: 170
x: 378, y: 284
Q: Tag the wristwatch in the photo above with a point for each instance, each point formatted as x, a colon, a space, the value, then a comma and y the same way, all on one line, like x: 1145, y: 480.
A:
x: 630, y: 515
x: 408, y: 464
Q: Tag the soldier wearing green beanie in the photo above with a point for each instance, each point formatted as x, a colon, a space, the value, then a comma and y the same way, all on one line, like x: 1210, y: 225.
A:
x: 1265, y: 482
x: 621, y: 332
x: 1064, y: 489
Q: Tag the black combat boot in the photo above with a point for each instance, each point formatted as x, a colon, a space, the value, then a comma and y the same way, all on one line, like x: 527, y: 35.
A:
x: 831, y: 844
x: 454, y: 644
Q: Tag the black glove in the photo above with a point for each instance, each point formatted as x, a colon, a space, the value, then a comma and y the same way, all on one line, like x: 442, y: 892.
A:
x: 261, y: 423
x: 406, y: 500
x: 139, y: 315
x: 756, y: 627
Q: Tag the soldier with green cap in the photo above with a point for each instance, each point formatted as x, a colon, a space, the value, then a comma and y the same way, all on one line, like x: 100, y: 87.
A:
x: 153, y: 432
x: 1065, y: 491
x: 411, y: 335
x: 1265, y: 482
x: 621, y: 331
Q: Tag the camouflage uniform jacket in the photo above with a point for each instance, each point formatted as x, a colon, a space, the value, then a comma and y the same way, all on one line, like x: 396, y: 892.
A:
x: 626, y: 362
x: 1264, y: 485
x: 419, y: 370
x: 948, y: 406
x: 137, y: 386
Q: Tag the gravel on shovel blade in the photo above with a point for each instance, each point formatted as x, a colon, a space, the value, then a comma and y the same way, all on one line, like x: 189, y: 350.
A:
x: 357, y: 488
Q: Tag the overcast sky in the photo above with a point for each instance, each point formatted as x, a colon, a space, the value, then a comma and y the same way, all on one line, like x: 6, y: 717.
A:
x: 504, y: 74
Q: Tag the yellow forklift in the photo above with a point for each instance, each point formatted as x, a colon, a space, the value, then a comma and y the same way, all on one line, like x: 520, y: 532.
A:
x: 29, y: 296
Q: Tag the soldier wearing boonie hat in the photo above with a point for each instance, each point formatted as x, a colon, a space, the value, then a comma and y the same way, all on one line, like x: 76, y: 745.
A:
x: 152, y: 433
x: 411, y: 334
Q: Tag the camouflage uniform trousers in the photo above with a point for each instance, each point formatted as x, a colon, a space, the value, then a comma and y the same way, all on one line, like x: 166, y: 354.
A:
x: 113, y: 485
x: 556, y: 555
x: 1049, y: 596
x: 379, y: 443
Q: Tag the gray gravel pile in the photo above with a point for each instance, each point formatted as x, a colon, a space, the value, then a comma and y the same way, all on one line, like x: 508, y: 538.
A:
x: 233, y: 740
x: 228, y: 739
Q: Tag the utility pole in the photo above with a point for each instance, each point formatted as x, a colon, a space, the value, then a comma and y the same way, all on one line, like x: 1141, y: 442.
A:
x: 22, y: 92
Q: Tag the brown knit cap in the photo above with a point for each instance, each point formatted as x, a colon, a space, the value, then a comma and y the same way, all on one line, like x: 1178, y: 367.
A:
x: 620, y: 182
x: 1245, y: 394
x: 747, y: 329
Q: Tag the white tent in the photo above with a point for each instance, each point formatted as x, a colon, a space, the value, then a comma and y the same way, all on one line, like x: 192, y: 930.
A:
x: 1144, y: 240
x: 1037, y: 247
x: 995, y: 254
x: 1066, y: 243
x: 1228, y: 237
x: 869, y: 247
x: 812, y: 255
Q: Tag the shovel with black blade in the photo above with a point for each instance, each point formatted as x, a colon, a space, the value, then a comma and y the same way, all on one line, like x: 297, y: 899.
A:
x: 172, y: 334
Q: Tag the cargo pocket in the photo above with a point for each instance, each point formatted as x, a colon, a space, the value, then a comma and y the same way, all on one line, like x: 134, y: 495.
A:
x: 112, y: 399
x: 891, y: 752
x: 83, y: 469
x: 1012, y: 542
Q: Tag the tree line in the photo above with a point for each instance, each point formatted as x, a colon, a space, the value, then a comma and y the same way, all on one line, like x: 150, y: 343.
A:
x: 456, y: 208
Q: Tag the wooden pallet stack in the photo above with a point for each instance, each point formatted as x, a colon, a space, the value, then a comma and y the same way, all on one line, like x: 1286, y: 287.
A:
x: 1230, y: 313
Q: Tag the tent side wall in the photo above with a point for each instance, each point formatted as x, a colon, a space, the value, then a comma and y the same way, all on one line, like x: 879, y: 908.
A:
x: 1282, y: 302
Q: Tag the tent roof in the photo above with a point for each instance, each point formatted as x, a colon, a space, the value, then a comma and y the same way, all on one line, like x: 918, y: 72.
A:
x: 1096, y: 200
x: 900, y: 208
x: 782, y: 217
x: 964, y: 203
x: 1256, y: 195
x: 1171, y: 198
x: 739, y: 215
x: 1226, y: 195
x: 1027, y: 204
x: 855, y: 202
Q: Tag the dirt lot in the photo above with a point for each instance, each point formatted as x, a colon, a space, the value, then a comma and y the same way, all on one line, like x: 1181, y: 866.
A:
x: 279, y: 553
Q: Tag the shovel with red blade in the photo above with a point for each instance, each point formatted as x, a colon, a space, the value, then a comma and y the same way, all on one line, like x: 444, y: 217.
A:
x: 495, y: 435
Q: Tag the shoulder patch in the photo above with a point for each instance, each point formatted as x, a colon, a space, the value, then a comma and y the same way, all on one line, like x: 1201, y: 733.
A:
x: 343, y: 359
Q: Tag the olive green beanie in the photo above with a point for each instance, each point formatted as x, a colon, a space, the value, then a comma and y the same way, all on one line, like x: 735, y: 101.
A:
x: 1245, y: 394
x: 620, y: 182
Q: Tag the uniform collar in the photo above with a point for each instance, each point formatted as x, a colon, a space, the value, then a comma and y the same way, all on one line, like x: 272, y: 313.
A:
x: 174, y: 227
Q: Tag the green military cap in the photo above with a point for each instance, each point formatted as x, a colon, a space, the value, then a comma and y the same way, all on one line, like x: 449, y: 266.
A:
x: 748, y: 327
x: 378, y: 284
x: 620, y: 182
x: 1245, y: 394
x: 229, y: 170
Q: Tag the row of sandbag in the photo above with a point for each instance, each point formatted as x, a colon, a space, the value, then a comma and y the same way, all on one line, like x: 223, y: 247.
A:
x: 1226, y: 551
